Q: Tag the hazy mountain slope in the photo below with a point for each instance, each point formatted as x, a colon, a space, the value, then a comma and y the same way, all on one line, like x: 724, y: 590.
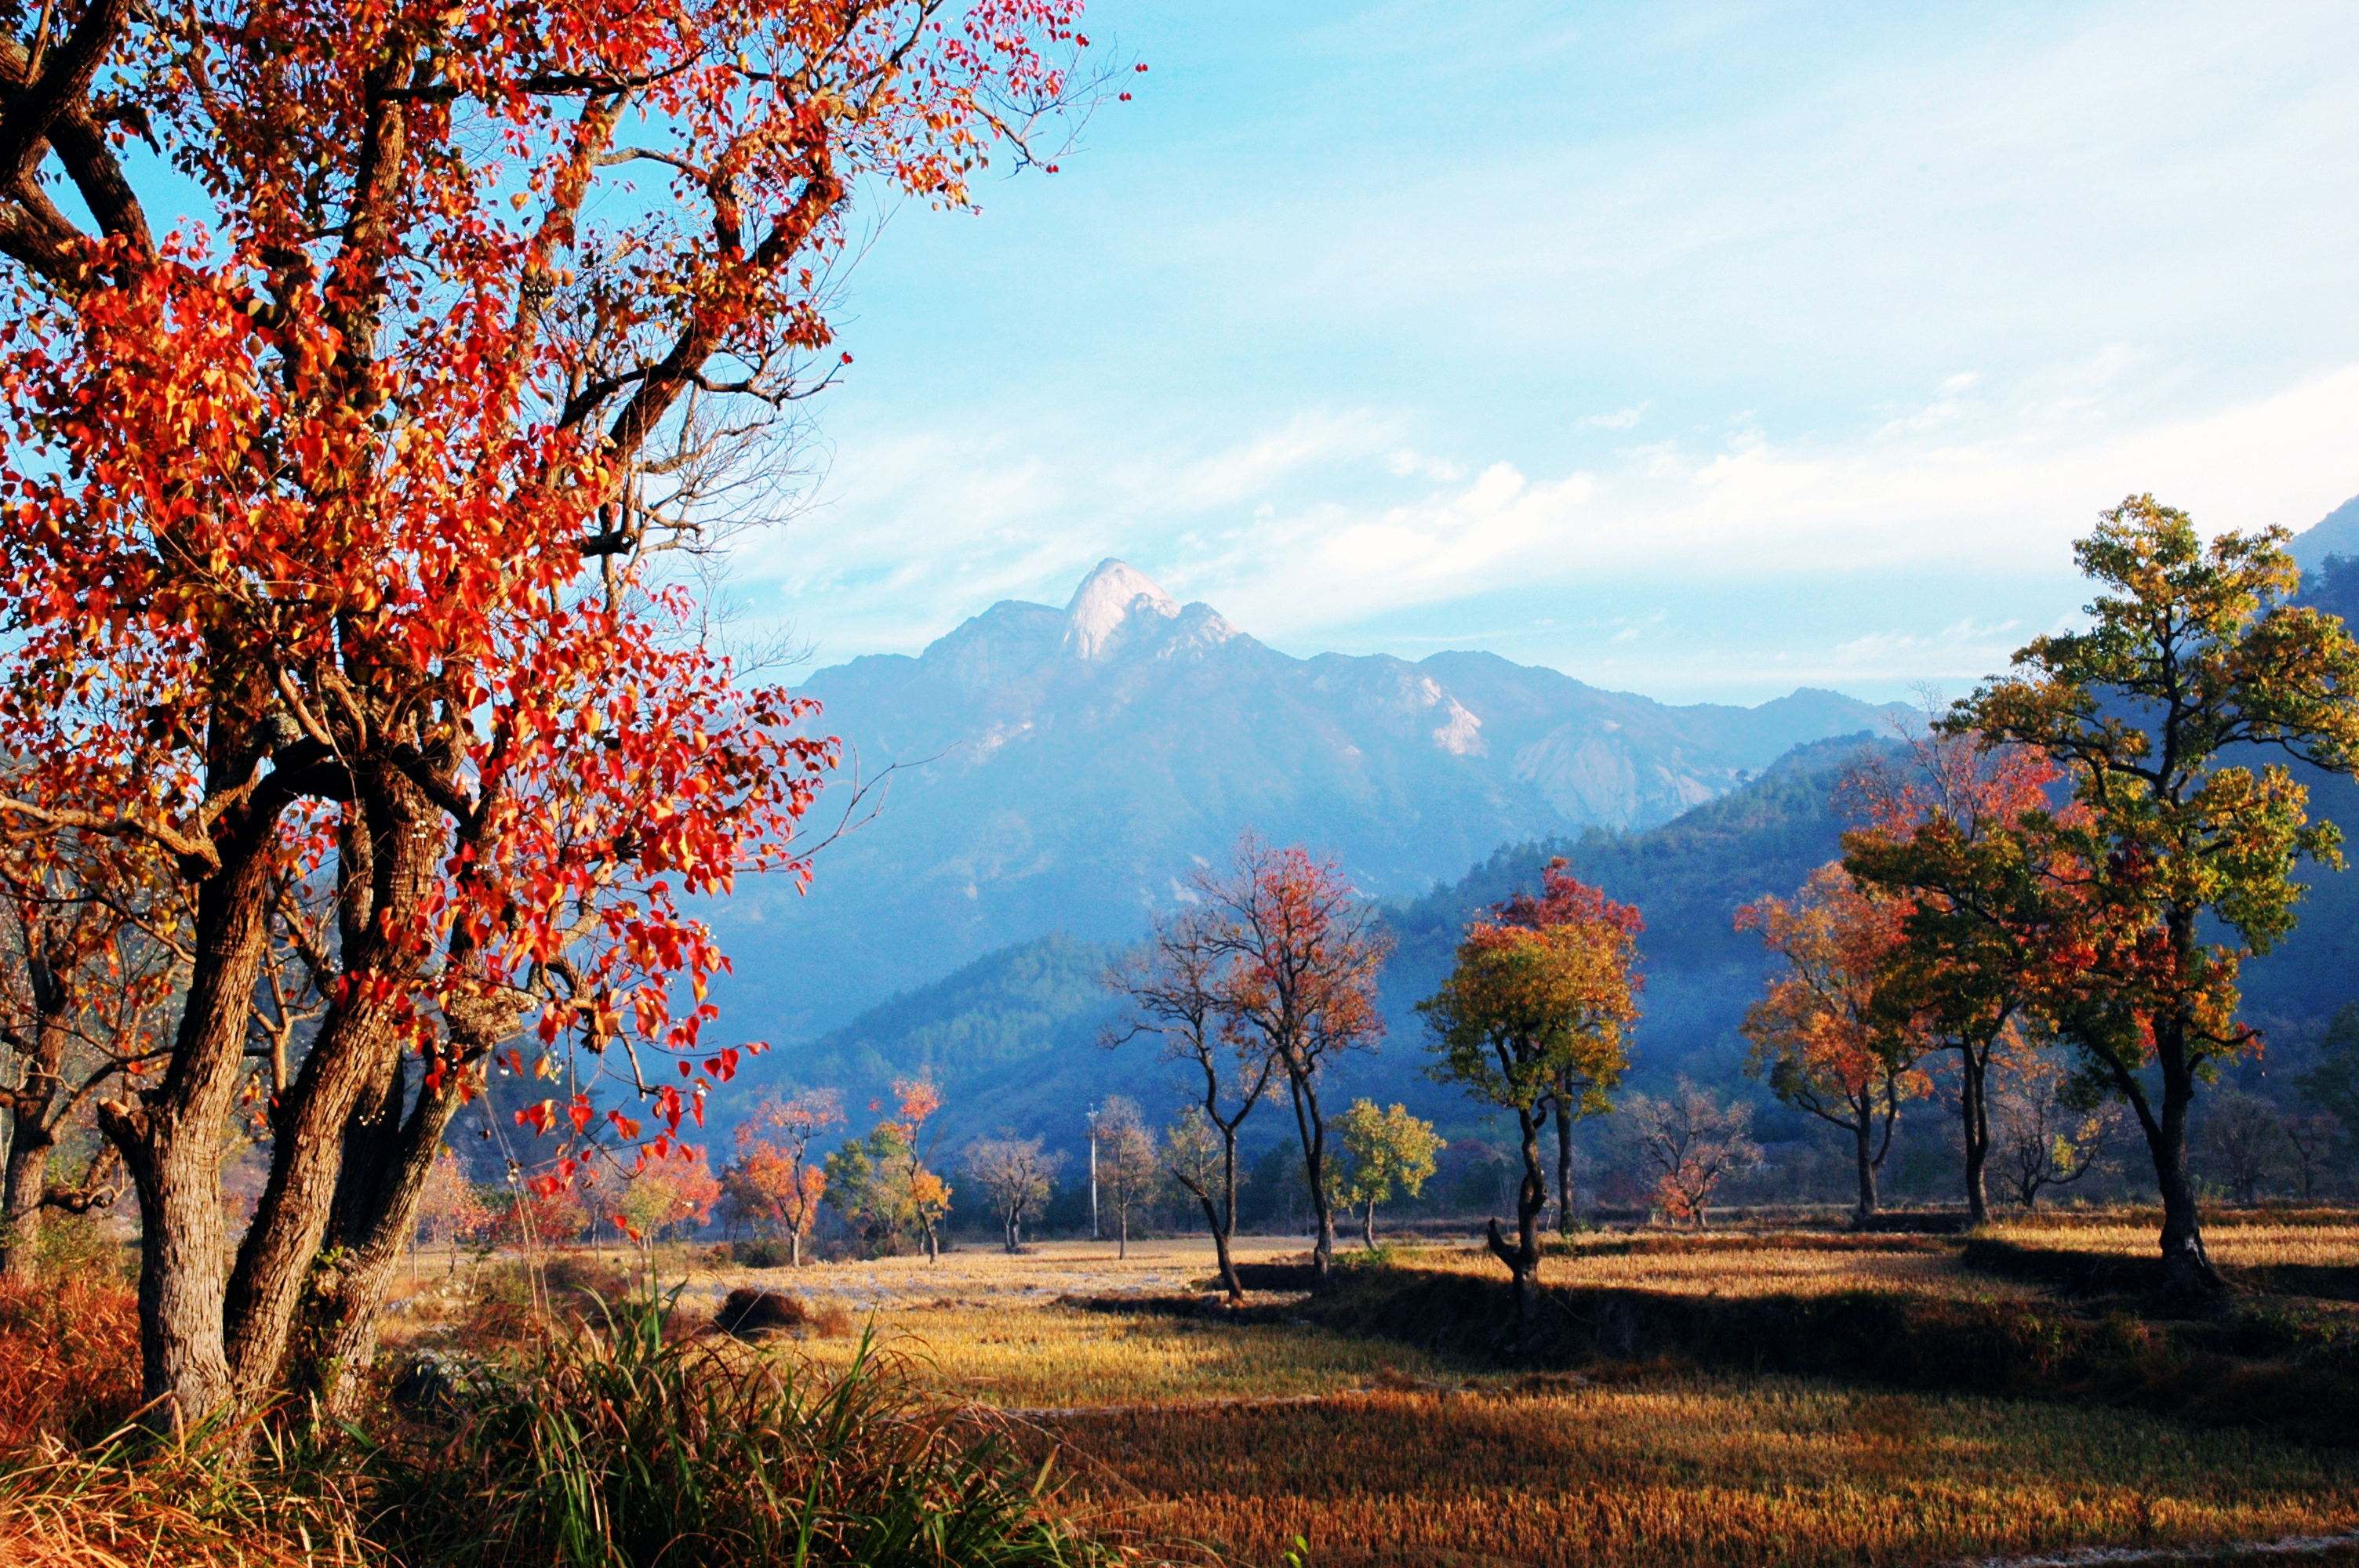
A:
x: 1067, y: 770
x: 1013, y: 1035
x: 2336, y: 534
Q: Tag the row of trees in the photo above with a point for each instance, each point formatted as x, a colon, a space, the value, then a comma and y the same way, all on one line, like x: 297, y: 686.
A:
x: 2077, y: 862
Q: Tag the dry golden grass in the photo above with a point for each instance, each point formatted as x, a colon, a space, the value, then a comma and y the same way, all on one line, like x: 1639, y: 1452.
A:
x: 1741, y: 1264
x: 2254, y: 1244
x: 1693, y: 1472
x: 1244, y: 1436
x: 1054, y: 1354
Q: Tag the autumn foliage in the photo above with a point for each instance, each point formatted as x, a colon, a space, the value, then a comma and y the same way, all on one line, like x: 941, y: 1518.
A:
x: 1820, y: 1035
x: 1535, y: 1018
x: 775, y: 1181
x: 333, y: 520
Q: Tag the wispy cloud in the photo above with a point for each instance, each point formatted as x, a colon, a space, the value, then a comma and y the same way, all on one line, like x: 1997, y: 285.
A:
x: 1620, y: 419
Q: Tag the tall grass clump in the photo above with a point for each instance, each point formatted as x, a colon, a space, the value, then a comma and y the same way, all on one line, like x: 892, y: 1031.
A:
x: 614, y: 1447
x: 222, y: 1494
x: 69, y: 1359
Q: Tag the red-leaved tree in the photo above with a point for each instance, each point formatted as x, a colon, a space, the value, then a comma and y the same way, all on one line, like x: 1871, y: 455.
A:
x: 1822, y: 1037
x: 773, y: 1181
x: 345, y: 436
x: 1990, y: 910
x: 1299, y: 952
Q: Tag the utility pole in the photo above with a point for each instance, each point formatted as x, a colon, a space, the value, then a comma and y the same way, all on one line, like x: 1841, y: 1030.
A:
x: 1095, y: 1233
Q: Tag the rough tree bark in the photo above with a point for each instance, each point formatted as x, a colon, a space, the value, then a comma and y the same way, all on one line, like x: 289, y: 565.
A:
x: 1973, y: 1104
x: 170, y: 1136
x: 1523, y: 1258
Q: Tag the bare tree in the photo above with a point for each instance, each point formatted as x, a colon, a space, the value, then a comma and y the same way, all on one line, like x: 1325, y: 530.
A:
x: 2243, y: 1143
x: 1127, y: 1165
x: 1690, y: 1140
x: 90, y: 957
x: 1018, y: 1175
x: 2044, y: 1134
x: 2312, y: 1138
x: 1172, y: 985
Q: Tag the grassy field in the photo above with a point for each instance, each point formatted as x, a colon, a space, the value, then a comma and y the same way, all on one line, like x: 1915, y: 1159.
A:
x: 1235, y: 1436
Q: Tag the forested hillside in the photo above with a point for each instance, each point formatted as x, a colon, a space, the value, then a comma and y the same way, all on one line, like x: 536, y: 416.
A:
x: 1012, y: 1036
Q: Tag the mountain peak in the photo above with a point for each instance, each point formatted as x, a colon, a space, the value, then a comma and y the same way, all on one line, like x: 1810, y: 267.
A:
x: 1113, y: 592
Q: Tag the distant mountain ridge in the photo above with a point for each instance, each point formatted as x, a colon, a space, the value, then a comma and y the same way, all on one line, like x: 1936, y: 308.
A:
x: 1067, y: 770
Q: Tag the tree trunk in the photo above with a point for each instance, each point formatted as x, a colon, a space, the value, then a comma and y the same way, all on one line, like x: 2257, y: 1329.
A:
x: 1224, y: 1223
x: 1122, y: 1224
x: 33, y: 1115
x: 1522, y: 1259
x: 1563, y: 1164
x: 388, y: 1161
x: 1313, y: 1132
x: 1368, y: 1226
x: 794, y: 1248
x: 19, y: 1210
x: 341, y: 1122
x: 1864, y: 1129
x: 169, y: 1138
x: 2186, y: 1264
x: 318, y: 1142
x: 20, y: 1204
x: 1973, y: 1104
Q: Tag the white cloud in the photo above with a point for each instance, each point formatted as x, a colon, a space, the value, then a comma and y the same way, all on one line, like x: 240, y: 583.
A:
x: 1408, y: 462
x: 1299, y: 532
x: 1620, y: 419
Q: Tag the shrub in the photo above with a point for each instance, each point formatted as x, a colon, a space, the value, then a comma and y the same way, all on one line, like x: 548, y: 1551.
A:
x: 750, y: 1311
x: 754, y: 1254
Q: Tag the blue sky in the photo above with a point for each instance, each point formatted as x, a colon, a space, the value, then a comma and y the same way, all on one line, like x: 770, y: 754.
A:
x: 1702, y: 350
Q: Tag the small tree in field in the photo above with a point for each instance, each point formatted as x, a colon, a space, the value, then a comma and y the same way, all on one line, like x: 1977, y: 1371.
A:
x: 1819, y: 1036
x: 2332, y: 1084
x: 1018, y: 1175
x: 1983, y: 906
x: 2242, y: 1144
x: 1385, y: 1152
x: 1299, y: 953
x: 2046, y: 1129
x: 915, y: 1101
x: 1204, y: 1168
x: 773, y: 1181
x: 665, y: 1194
x: 349, y: 427
x: 535, y: 1217
x: 1526, y: 1015
x: 1690, y: 1140
x: 885, y: 1184
x: 1565, y: 900
x: 2181, y: 854
x: 2312, y: 1140
x: 1128, y: 1167
x: 451, y: 1211
x: 1176, y: 991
